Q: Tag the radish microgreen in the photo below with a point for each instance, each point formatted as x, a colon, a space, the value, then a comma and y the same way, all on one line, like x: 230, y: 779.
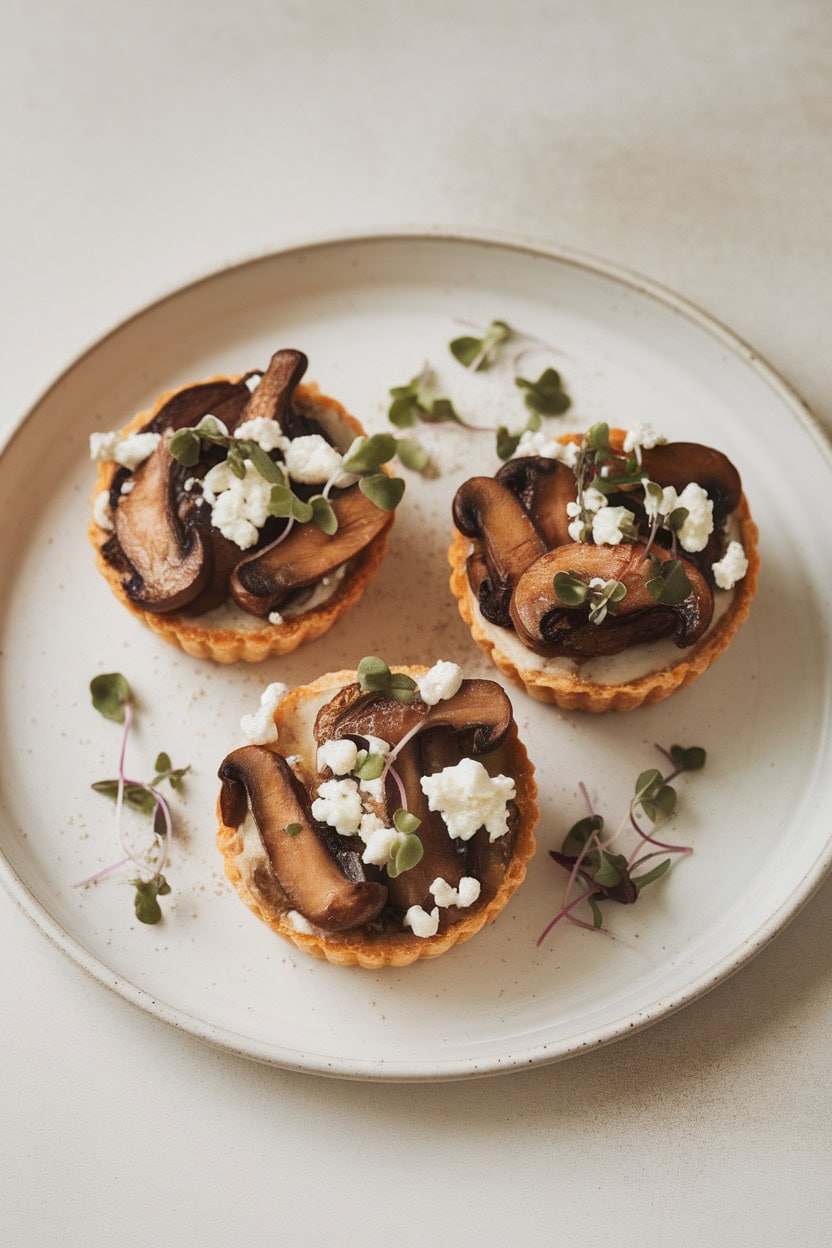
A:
x: 546, y: 396
x: 374, y: 676
x: 481, y: 353
x: 607, y: 875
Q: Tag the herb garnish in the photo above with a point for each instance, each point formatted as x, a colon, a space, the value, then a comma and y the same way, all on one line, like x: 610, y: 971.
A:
x: 546, y: 396
x: 481, y: 353
x: 112, y: 697
x: 293, y: 829
x: 602, y: 596
x: 374, y: 676
x: 608, y: 875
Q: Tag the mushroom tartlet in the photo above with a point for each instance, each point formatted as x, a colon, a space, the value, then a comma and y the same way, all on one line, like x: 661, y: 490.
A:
x: 396, y: 820
x: 603, y: 571
x: 229, y: 518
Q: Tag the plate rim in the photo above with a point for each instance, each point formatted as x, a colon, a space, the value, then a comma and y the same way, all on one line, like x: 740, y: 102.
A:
x: 539, y: 1054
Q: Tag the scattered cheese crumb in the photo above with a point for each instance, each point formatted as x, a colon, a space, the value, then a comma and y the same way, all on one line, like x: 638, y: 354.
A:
x: 253, y: 381
x: 126, y: 487
x: 239, y: 505
x: 699, y: 523
x: 275, y: 617
x: 129, y: 452
x: 731, y: 568
x: 642, y: 436
x: 339, y: 804
x: 610, y: 524
x: 311, y: 459
x: 338, y: 756
x: 260, y: 728
x: 663, y: 506
x: 380, y: 841
x: 468, y: 798
x: 265, y: 432
x: 299, y: 922
x: 441, y: 682
x: 467, y: 893
x: 420, y: 922
x: 547, y: 448
x: 101, y: 513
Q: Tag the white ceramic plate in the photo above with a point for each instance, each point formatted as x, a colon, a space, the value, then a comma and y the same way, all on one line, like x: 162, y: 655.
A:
x: 368, y: 312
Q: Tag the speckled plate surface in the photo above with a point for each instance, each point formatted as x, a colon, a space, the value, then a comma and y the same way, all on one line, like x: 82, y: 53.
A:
x: 369, y: 312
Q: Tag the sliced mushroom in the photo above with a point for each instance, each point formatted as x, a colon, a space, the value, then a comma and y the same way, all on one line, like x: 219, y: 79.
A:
x: 224, y: 399
x: 170, y: 561
x: 272, y: 396
x: 486, y: 510
x: 544, y: 487
x: 256, y: 779
x: 263, y: 580
x: 549, y: 627
x: 680, y: 463
x: 479, y: 714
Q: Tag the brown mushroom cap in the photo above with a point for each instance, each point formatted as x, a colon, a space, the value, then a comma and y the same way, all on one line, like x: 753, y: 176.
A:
x: 257, y: 779
x: 170, y: 562
x: 272, y: 396
x: 479, y: 714
x: 544, y: 487
x: 680, y: 463
x: 549, y: 627
x: 262, y: 580
x: 485, y: 509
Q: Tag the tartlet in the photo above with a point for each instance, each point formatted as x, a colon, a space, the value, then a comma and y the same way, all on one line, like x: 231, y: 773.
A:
x: 325, y: 859
x: 515, y: 533
x: 196, y: 547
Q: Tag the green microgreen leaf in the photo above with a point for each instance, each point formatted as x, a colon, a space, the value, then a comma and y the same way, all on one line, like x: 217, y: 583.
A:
x: 284, y: 503
x: 570, y: 588
x: 597, y: 437
x: 383, y: 491
x: 136, y: 796
x: 414, y: 456
x: 293, y: 829
x: 691, y: 758
x: 263, y: 463
x: 404, y: 411
x: 670, y: 585
x: 405, y: 855
x: 368, y: 454
x: 507, y: 442
x: 546, y: 396
x: 597, y: 917
x: 580, y: 833
x: 165, y: 770
x: 403, y: 821
x: 373, y: 674
x: 481, y: 353
x: 676, y: 519
x: 607, y: 872
x: 186, y: 447
x: 110, y: 695
x: 648, y: 784
x: 442, y: 411
x: 368, y: 766
x: 323, y: 514
x: 641, y: 881
x: 145, y: 902
x: 163, y: 762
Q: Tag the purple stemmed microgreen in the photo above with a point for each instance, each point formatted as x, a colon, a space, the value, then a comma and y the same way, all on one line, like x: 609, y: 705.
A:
x: 417, y: 402
x: 111, y: 696
x: 606, y: 875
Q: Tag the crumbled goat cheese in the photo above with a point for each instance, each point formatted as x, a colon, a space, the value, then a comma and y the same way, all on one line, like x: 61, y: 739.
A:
x: 594, y: 500
x: 260, y: 728
x: 239, y: 505
x: 311, y: 459
x: 275, y: 617
x: 699, y: 524
x: 265, y: 432
x: 253, y: 381
x: 441, y: 682
x: 374, y: 789
x: 339, y: 804
x: 189, y: 484
x: 420, y: 922
x: 731, y: 568
x: 299, y: 922
x: 101, y: 513
x: 547, y: 448
x: 380, y: 841
x: 659, y: 506
x: 468, y: 798
x: 338, y: 756
x: 129, y: 452
x: 467, y: 893
x: 609, y: 525
x: 575, y: 529
x: 126, y: 487
x: 642, y: 436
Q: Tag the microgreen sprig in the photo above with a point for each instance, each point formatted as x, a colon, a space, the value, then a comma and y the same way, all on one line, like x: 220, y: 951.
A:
x: 112, y: 697
x: 603, y: 597
x: 608, y: 875
x: 416, y: 401
x: 481, y: 353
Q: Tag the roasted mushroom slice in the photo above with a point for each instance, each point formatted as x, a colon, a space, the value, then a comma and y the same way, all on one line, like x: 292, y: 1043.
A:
x: 272, y: 396
x: 509, y: 540
x: 549, y: 627
x: 263, y: 580
x: 258, y: 780
x: 170, y: 561
x: 544, y: 487
x: 680, y: 463
x: 440, y: 859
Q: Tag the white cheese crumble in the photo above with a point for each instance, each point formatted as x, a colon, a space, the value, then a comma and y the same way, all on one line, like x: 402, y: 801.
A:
x: 239, y: 505
x: 610, y: 524
x: 101, y: 513
x: 654, y: 506
x: 260, y: 728
x: 339, y: 804
x: 299, y: 922
x: 265, y: 432
x: 189, y: 484
x: 547, y: 448
x: 253, y: 382
x: 338, y: 756
x: 642, y: 436
x: 445, y: 895
x: 468, y: 798
x: 126, y: 487
x: 129, y: 452
x: 380, y: 841
x: 311, y: 459
x: 275, y: 617
x: 420, y: 922
x: 731, y: 568
x: 442, y: 681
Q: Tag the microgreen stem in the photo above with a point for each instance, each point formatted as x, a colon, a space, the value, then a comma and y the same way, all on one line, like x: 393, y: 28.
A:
x: 99, y: 875
x: 587, y: 798
x: 673, y: 849
x: 564, y: 912
x: 391, y: 771
x: 654, y: 528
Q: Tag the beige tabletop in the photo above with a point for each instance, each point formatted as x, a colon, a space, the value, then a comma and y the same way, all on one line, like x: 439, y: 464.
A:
x: 143, y: 147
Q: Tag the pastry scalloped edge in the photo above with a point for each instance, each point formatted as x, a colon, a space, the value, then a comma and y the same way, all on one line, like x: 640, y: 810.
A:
x: 250, y: 645
x: 391, y: 949
x: 569, y: 691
